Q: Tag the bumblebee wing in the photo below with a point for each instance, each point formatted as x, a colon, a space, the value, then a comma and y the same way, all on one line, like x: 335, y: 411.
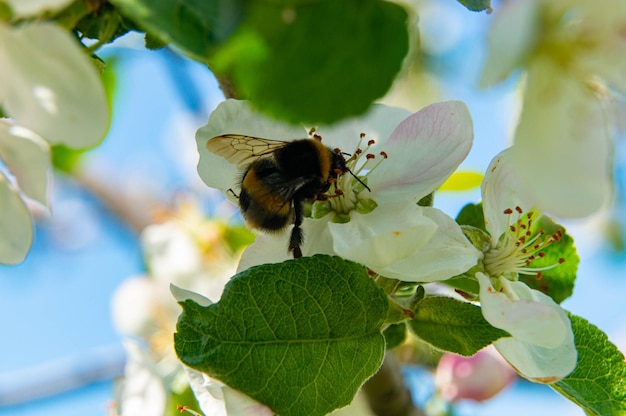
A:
x: 240, y: 149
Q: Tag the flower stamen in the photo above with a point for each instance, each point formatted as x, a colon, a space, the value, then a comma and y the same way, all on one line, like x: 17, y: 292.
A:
x: 518, y: 247
x: 349, y: 189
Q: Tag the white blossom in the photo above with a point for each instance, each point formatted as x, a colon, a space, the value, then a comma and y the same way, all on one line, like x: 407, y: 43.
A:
x: 401, y: 157
x: 573, y: 53
x: 541, y: 346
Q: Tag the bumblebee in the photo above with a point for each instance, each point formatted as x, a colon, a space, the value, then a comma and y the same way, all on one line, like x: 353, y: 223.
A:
x: 278, y: 177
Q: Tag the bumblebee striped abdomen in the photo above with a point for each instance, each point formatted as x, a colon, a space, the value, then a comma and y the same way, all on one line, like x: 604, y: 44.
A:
x: 262, y: 204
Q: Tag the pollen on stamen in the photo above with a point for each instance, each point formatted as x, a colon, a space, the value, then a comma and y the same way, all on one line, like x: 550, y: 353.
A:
x: 518, y: 247
x: 362, y: 135
x: 371, y: 142
x: 383, y: 154
x: 370, y: 156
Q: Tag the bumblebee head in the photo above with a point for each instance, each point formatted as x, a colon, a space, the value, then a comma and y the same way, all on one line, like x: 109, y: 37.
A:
x: 338, y: 167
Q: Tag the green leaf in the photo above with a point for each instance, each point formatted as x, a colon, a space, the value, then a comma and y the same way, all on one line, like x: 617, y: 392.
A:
x: 185, y: 397
x: 315, y: 62
x: 472, y: 214
x: 454, y: 326
x: 395, y: 334
x: 558, y: 282
x: 104, y: 24
x: 300, y: 336
x: 197, y: 27
x: 477, y: 5
x: 598, y: 384
x: 238, y: 237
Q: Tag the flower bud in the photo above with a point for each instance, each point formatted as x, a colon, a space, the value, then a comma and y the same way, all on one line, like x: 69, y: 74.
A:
x: 478, y: 378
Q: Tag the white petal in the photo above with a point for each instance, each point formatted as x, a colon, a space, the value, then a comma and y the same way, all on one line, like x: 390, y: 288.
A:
x: 236, y: 117
x: 511, y: 36
x: 272, y: 248
x: 562, y: 145
x: 25, y: 8
x: 448, y: 253
x: 500, y: 192
x: 423, y: 151
x: 170, y: 252
x: 208, y: 393
x: 16, y: 229
x: 266, y: 249
x: 527, y: 314
x: 182, y: 295
x: 390, y: 233
x: 601, y: 25
x: 539, y: 364
x: 217, y: 399
x: 403, y: 241
x: 142, y: 392
x: 49, y: 85
x: 28, y: 158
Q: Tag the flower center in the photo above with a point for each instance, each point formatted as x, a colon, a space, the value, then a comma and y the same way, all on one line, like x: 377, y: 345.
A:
x: 519, y: 246
x: 350, y: 191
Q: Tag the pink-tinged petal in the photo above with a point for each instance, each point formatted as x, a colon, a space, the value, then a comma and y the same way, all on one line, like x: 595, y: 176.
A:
x: 25, y: 8
x: 500, y: 192
x: 423, y: 151
x: 562, y: 144
x: 63, y: 101
x: 28, y: 158
x: 236, y: 117
x: 478, y: 378
x: 512, y: 35
x: 377, y: 124
x: 16, y: 228
x: 539, y: 364
x: 527, y: 314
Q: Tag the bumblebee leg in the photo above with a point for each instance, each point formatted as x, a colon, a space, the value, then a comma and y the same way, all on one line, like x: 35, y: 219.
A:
x: 233, y: 192
x: 297, y: 236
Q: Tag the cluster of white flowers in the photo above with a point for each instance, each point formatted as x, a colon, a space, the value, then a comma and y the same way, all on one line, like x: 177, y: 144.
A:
x: 53, y: 95
x: 189, y: 252
x: 573, y: 53
x: 401, y: 240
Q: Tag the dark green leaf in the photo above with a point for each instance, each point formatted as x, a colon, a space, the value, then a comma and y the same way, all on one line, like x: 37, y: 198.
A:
x: 105, y: 24
x: 598, y: 384
x: 472, y: 214
x: 477, y: 5
x: 395, y: 335
x: 454, y: 326
x: 196, y: 26
x: 316, y: 61
x: 299, y: 336
x: 558, y: 282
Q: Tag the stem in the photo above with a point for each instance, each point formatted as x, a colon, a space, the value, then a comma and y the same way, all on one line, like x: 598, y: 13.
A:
x: 134, y: 209
x: 227, y: 88
x: 386, y: 392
